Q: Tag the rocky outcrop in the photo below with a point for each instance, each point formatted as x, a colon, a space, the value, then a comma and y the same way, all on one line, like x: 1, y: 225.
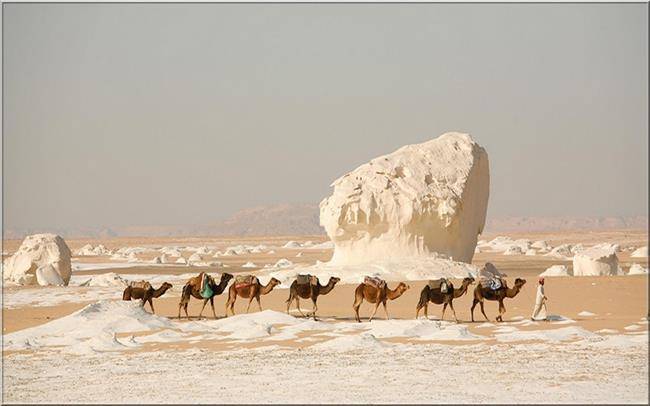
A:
x: 419, y: 200
x: 42, y: 259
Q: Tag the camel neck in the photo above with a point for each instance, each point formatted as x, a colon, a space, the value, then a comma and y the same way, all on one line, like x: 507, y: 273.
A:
x: 326, y: 289
x: 510, y: 293
x: 267, y: 288
x: 393, y: 294
x: 460, y: 292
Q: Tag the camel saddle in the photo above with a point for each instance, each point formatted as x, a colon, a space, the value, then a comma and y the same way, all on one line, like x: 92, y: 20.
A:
x: 140, y: 284
x: 442, y: 284
x: 492, y: 283
x: 375, y: 282
x: 244, y: 281
x: 306, y: 279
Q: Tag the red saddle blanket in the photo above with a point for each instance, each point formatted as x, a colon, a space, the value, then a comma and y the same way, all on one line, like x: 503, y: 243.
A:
x: 374, y: 281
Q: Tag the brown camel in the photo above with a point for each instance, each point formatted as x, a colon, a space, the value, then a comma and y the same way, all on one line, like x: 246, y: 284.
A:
x: 193, y: 288
x: 484, y: 293
x: 376, y: 295
x: 250, y: 291
x: 434, y: 295
x: 146, y: 294
x: 309, y: 291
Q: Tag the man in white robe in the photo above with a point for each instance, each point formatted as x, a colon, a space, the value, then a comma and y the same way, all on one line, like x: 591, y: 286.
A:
x: 539, y: 312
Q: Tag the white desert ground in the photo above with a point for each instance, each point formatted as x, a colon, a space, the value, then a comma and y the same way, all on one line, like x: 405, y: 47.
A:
x: 82, y: 343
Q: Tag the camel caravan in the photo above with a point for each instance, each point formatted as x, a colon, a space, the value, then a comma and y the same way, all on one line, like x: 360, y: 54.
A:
x: 492, y: 286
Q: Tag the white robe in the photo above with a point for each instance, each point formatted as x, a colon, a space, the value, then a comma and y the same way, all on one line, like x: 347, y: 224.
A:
x: 539, y: 312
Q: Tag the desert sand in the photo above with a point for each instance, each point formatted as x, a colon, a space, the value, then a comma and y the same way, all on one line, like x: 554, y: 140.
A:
x: 601, y: 318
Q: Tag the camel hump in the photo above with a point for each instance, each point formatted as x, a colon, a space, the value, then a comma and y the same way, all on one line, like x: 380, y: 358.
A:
x: 245, y: 280
x: 303, y: 279
x: 375, y: 282
x: 140, y: 284
x: 442, y: 284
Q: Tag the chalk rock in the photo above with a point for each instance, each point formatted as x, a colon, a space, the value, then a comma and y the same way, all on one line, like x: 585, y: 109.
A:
x: 640, y: 253
x: 556, y: 270
x: 596, y: 262
x: 561, y: 251
x: 421, y: 199
x: 513, y: 250
x: 195, y: 258
x: 531, y: 252
x: 541, y: 245
x: 42, y: 259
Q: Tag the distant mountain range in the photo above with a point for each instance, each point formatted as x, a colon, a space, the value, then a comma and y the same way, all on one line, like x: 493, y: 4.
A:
x: 303, y: 219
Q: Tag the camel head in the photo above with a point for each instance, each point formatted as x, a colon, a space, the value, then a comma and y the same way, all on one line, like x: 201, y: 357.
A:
x: 166, y: 286
x: 468, y: 281
x: 402, y: 287
x: 274, y: 282
x: 520, y: 282
x: 334, y: 280
x: 226, y: 277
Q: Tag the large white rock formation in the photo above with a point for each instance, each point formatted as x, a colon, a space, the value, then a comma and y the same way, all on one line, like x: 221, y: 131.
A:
x: 596, y: 262
x: 42, y: 259
x: 419, y: 200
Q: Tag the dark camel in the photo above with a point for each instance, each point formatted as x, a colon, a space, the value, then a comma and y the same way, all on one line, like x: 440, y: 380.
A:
x: 250, y: 292
x: 146, y: 294
x: 481, y: 294
x: 376, y: 295
x: 436, y: 296
x: 309, y: 291
x: 193, y: 288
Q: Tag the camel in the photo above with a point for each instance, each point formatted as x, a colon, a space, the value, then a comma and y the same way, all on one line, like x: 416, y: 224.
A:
x: 434, y: 295
x: 483, y: 293
x: 309, y: 291
x: 376, y: 295
x: 249, y: 291
x: 193, y: 288
x: 146, y: 294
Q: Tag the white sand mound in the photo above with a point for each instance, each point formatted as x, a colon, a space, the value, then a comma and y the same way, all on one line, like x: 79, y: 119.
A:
x: 531, y: 252
x: 89, y: 250
x: 637, y: 269
x: 596, y: 262
x: 105, y: 280
x: 195, y: 258
x: 405, y: 269
x: 586, y: 313
x: 578, y: 248
x: 640, y: 253
x: 607, y: 246
x: 541, y: 245
x: 42, y: 259
x: 292, y: 244
x: 106, y: 316
x: 514, y: 250
x: 350, y: 343
x: 327, y: 245
x: 283, y: 263
x: 157, y: 260
x: 556, y: 270
x: 420, y: 199
x: 181, y: 260
x: 561, y: 251
x: 249, y: 265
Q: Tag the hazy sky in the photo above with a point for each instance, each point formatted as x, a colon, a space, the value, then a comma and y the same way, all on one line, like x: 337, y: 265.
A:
x: 118, y: 114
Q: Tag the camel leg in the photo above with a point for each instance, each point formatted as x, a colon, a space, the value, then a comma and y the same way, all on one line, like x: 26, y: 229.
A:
x: 258, y: 302
x: 212, y: 305
x: 289, y: 302
x: 232, y: 306
x: 417, y: 312
x: 502, y: 310
x: 426, y: 311
x: 451, y: 306
x: 249, y: 304
x: 483, y: 311
x: 356, y: 305
x: 205, y: 302
x: 444, y: 307
x: 374, y: 311
x: 474, y: 302
x: 151, y: 305
x: 298, y: 306
x: 385, y: 310
x: 315, y: 309
x: 184, y: 308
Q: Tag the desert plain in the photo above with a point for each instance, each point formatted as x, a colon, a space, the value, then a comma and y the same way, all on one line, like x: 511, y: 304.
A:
x: 84, y: 344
